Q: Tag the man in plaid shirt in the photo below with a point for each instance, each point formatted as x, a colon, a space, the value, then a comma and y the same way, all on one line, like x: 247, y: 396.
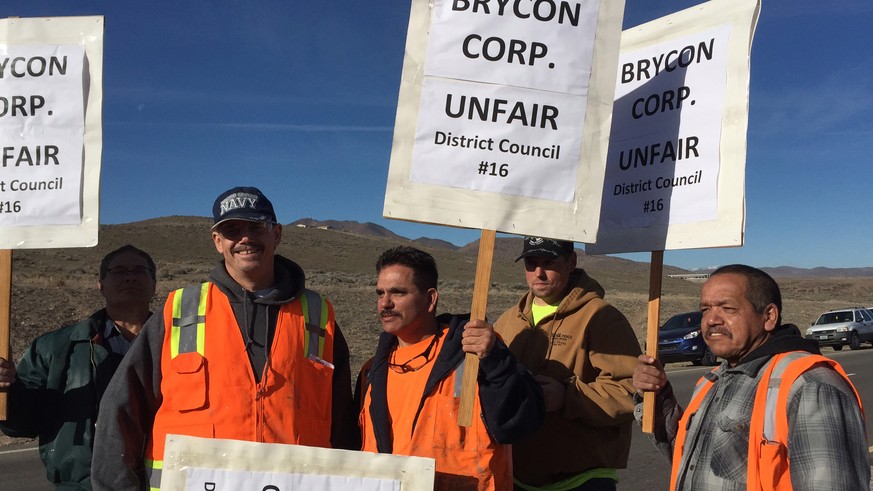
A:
x: 826, y: 440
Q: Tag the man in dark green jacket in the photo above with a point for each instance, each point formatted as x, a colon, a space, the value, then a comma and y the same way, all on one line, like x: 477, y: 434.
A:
x: 55, y: 391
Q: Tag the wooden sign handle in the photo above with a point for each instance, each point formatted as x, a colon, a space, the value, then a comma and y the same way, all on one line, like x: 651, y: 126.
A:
x: 656, y: 270
x: 5, y: 314
x: 477, y: 311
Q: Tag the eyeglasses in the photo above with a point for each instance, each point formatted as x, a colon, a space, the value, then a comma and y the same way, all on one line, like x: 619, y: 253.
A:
x: 240, y: 229
x: 409, y: 366
x: 136, y: 271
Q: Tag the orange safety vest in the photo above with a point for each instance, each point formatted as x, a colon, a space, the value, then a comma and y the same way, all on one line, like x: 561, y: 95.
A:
x: 768, y: 462
x: 210, y: 391
x: 466, y: 458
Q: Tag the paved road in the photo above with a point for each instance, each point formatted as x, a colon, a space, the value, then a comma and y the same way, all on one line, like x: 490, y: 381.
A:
x: 21, y: 469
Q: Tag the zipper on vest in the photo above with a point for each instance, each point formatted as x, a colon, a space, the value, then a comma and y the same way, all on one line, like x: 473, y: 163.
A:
x: 259, y: 400
x: 262, y: 386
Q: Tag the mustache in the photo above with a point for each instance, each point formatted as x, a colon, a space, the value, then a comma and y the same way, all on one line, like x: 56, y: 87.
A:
x: 717, y: 330
x: 248, y: 247
x: 384, y: 312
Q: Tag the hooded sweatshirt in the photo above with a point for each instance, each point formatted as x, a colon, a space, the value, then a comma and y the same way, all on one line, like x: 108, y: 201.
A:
x: 134, y: 396
x: 588, y: 345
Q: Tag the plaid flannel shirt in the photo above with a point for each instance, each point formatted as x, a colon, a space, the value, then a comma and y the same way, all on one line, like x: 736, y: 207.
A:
x: 827, y: 443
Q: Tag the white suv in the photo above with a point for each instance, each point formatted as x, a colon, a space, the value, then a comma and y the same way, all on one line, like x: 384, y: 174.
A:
x: 850, y: 326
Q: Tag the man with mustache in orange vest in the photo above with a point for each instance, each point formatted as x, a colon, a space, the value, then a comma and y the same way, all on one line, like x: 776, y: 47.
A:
x: 776, y: 415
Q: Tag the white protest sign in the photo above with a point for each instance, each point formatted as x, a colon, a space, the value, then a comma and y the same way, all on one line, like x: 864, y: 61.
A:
x: 543, y: 45
x: 209, y: 464
x: 205, y: 479
x: 655, y: 165
x: 41, y: 153
x: 50, y: 131
x: 503, y: 115
x: 535, y: 170
x: 675, y: 170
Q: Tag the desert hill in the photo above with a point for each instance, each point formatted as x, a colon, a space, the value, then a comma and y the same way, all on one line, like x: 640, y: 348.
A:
x: 54, y: 287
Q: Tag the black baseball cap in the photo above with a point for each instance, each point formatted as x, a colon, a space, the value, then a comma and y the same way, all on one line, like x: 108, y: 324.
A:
x: 543, y: 247
x: 242, y: 203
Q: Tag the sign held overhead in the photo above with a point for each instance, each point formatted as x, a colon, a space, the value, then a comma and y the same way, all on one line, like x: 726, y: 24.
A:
x: 503, y: 115
x: 51, y: 94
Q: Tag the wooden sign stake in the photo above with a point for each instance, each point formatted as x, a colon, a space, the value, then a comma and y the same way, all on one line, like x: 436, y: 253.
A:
x: 477, y: 311
x: 656, y: 269
x: 5, y: 314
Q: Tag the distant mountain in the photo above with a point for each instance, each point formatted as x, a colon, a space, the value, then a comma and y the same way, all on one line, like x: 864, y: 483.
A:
x: 437, y: 243
x: 792, y: 272
x: 369, y: 229
x: 510, y: 247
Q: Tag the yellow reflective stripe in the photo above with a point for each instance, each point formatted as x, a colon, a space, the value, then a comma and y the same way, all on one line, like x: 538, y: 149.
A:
x: 188, y: 332
x: 174, y: 329
x: 201, y: 326
x: 153, y: 470
x: 313, y: 305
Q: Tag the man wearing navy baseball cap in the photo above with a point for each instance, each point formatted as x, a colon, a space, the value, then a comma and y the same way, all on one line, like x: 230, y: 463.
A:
x: 242, y: 203
x: 189, y: 374
x: 583, y: 352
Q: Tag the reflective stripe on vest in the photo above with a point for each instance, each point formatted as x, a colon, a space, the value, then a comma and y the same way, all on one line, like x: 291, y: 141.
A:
x: 775, y: 381
x: 189, y: 320
x: 459, y: 378
x: 153, y: 470
x: 315, y: 318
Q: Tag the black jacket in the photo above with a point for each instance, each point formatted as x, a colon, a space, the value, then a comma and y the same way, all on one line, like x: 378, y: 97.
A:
x: 511, y: 400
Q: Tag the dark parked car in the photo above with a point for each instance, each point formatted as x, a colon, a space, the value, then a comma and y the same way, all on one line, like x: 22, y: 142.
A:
x: 679, y: 339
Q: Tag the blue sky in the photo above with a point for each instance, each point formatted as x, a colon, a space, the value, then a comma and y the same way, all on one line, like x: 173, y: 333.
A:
x: 298, y: 98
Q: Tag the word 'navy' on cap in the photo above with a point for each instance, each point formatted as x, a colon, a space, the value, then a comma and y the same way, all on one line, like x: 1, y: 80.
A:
x: 242, y: 203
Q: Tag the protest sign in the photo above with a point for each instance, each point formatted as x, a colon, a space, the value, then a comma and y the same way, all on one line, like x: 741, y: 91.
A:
x: 207, y: 464
x: 50, y: 131
x: 51, y: 93
x: 502, y: 120
x: 675, y: 171
x: 503, y: 115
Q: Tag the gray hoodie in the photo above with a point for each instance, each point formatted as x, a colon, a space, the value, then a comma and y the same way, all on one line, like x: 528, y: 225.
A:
x: 128, y: 407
